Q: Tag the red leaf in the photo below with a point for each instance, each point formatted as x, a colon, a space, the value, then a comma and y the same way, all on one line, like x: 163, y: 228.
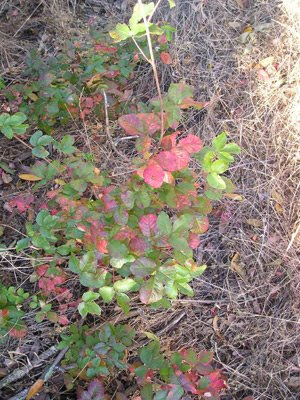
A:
x: 109, y: 202
x: 185, y: 382
x: 89, y: 102
x: 22, y: 202
x: 147, y: 224
x: 4, y: 313
x: 63, y: 320
x: 217, y: 382
x: 191, y: 143
x: 193, y: 241
x: 162, y: 39
x: 182, y: 201
x: 142, y: 123
x: 105, y: 49
x: 42, y: 269
x: 263, y: 75
x: 124, y: 233
x: 165, y: 58
x: 18, y: 333
x: 169, y: 141
x: 154, y: 174
x: 167, y: 160
x: 101, y: 245
x: 183, y: 157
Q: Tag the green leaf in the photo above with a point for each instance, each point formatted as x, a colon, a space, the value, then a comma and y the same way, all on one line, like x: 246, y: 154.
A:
x: 230, y: 186
x: 125, y: 285
x: 66, y: 145
x: 74, y: 264
x: 93, y: 308
x: 179, y: 91
x: 82, y: 309
x: 182, y: 223
x: 88, y: 262
x: 17, y: 118
x: 181, y: 244
x: 22, y: 244
x: 40, y: 152
x: 117, y: 249
x: 147, y: 392
x: 45, y: 140
x: 35, y: 138
x: 107, y: 293
x: 171, y: 3
x: 215, y: 181
x: 52, y: 107
x: 7, y: 131
x: 123, y: 301
x: 144, y: 198
x: 223, y: 155
x: 164, y: 223
x: 213, y: 194
x: 219, y: 166
x: 139, y: 12
x: 232, y: 148
x: 150, y: 355
x: 119, y: 262
x: 219, y: 141
x: 90, y: 296
x: 122, y: 32
x: 191, y: 356
x: 141, y: 371
x: 185, y: 288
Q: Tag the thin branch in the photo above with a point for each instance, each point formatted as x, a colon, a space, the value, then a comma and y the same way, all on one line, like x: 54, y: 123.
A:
x: 153, y: 12
x: 141, y: 50
x: 108, y: 129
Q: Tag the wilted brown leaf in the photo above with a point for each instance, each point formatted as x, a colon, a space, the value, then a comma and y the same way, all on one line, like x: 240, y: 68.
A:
x: 237, y: 267
x: 257, y: 223
x: 29, y: 177
x: 35, y: 388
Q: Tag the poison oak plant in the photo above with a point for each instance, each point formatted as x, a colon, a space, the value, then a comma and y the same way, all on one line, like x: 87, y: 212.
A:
x: 116, y: 241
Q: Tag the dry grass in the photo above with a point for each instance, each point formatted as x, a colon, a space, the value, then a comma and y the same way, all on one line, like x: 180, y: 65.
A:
x: 249, y: 315
x: 255, y: 330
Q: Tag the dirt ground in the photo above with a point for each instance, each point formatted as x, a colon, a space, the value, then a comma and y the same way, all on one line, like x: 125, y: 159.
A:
x: 242, y: 56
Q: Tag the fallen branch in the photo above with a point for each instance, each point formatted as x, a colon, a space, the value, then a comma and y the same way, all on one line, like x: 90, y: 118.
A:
x: 21, y: 372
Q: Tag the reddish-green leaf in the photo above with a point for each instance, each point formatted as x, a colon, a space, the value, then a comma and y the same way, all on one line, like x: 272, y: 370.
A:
x: 201, y: 225
x: 168, y: 142
x: 139, y: 246
x: 142, y: 267
x: 139, y: 124
x: 151, y: 291
x: 102, y: 48
x: 205, y: 357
